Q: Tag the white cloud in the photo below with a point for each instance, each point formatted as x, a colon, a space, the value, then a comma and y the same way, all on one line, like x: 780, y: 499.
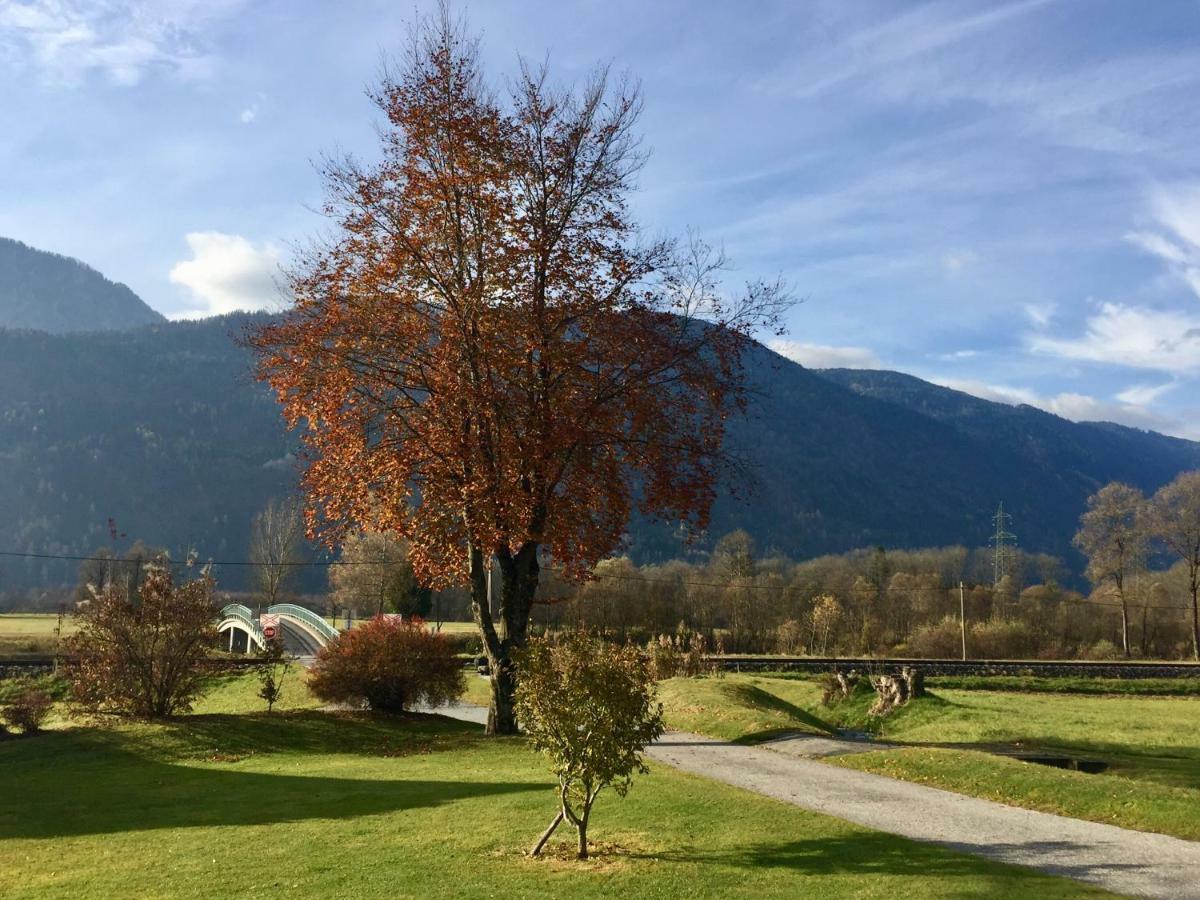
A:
x: 1177, y: 242
x: 823, y: 356
x: 1144, y: 394
x: 956, y: 355
x: 1040, y: 314
x: 958, y: 260
x: 1128, y: 408
x: 65, y: 40
x: 227, y: 273
x: 249, y: 114
x: 1166, y: 340
x: 999, y: 393
x: 884, y: 45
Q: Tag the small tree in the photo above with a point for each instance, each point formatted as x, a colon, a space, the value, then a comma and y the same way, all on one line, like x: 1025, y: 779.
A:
x: 1175, y: 520
x: 143, y: 654
x: 276, y: 541
x: 590, y: 707
x: 1112, y: 534
x: 389, y: 665
x: 274, y: 664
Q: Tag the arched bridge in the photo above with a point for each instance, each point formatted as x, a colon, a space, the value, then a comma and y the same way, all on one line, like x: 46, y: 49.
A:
x: 302, y: 631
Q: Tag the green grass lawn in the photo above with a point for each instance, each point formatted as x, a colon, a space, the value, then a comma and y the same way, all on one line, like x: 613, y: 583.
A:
x: 744, y: 708
x: 1152, y: 743
x: 1152, y: 687
x: 229, y: 802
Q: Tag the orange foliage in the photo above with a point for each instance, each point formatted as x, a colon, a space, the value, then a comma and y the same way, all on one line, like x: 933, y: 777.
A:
x: 485, y: 357
x: 483, y: 353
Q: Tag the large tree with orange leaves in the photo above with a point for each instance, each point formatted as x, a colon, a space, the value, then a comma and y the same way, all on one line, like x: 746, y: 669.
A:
x: 485, y: 357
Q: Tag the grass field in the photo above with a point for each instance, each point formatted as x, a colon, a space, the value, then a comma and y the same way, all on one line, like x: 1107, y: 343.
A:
x: 304, y: 803
x: 30, y: 633
x: 1151, y: 744
x: 33, y: 633
x: 447, y: 627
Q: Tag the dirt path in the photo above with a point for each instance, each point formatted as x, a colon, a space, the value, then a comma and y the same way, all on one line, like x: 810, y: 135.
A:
x: 1128, y: 862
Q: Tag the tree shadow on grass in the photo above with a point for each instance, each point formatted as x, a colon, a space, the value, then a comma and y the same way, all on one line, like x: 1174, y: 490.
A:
x: 884, y: 854
x: 756, y: 697
x: 311, y: 731
x: 91, y: 781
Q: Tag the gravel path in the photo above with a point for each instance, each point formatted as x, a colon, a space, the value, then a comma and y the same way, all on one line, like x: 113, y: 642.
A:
x: 1127, y: 862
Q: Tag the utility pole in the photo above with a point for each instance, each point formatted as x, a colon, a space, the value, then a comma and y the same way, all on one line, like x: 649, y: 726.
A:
x: 962, y: 618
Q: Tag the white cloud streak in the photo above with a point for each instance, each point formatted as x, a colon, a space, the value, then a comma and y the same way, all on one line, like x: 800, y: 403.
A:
x: 1176, y: 212
x: 227, y: 273
x: 1164, y: 340
x: 824, y: 356
x: 1130, y: 407
x: 66, y: 40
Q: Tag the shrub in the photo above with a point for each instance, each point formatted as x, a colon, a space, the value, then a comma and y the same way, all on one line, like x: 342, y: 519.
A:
x: 937, y: 640
x: 389, y: 665
x: 1103, y: 650
x: 590, y: 707
x: 28, y: 710
x: 1002, y: 639
x: 683, y: 654
x: 143, y: 654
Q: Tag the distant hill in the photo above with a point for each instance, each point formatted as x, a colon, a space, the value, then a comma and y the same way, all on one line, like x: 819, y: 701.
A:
x: 1076, y: 451
x: 163, y: 429
x: 58, y: 294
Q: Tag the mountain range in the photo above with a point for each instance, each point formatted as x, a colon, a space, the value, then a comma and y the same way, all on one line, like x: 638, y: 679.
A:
x: 160, y: 428
x: 49, y: 292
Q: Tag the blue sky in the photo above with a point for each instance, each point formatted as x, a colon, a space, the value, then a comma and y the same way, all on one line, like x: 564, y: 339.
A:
x: 1001, y: 196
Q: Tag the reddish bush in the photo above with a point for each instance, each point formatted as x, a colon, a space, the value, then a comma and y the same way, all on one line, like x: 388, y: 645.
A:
x: 143, y: 654
x: 390, y: 665
x: 28, y: 710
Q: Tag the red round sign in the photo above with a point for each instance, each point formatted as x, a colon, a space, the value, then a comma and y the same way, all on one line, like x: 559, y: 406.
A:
x: 269, y: 632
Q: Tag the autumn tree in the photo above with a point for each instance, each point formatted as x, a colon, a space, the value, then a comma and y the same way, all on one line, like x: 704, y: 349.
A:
x: 485, y: 355
x: 276, y: 544
x: 1175, y: 520
x: 1112, y: 535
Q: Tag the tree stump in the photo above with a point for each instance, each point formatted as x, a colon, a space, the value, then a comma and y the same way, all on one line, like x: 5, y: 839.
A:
x: 915, y: 680
x: 891, y: 691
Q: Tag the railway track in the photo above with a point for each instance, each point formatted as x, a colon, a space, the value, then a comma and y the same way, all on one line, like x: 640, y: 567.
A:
x: 817, y: 665
x: 1040, y: 668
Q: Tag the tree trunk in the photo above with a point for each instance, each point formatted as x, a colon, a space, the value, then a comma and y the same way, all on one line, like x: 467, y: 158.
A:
x: 1195, y: 616
x: 518, y: 584
x: 581, y: 827
x: 1125, y: 627
x: 541, y: 842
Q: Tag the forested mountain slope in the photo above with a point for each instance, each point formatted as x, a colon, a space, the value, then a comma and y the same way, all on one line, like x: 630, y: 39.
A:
x: 163, y: 430
x: 49, y: 292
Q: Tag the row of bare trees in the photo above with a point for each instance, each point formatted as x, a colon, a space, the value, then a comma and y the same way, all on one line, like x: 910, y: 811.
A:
x: 1123, y: 531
